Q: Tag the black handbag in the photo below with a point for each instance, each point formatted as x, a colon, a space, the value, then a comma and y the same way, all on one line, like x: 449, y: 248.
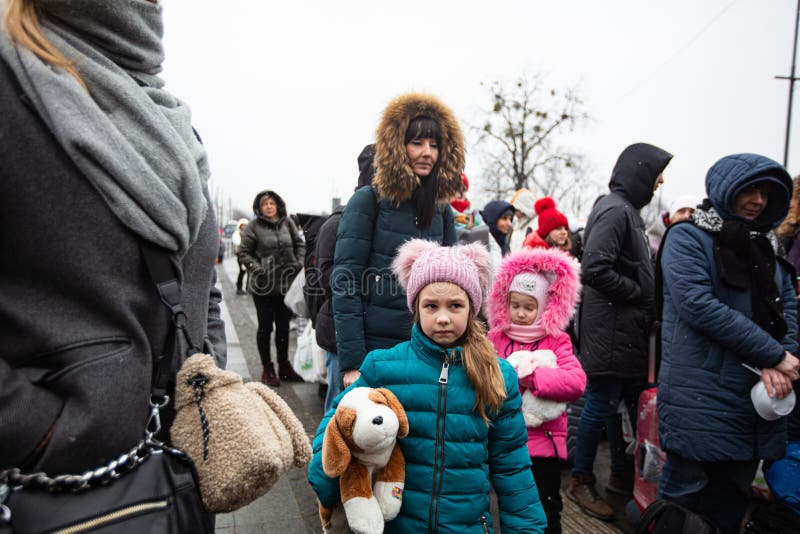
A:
x: 151, y: 488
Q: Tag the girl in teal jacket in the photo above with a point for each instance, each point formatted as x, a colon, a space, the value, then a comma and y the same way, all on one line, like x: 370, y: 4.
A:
x: 466, y: 430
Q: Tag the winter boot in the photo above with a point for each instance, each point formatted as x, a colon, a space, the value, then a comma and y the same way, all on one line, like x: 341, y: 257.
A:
x: 581, y: 491
x: 620, y: 482
x: 269, y: 377
x: 286, y: 372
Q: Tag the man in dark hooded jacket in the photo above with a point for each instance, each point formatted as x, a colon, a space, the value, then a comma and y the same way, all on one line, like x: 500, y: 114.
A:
x: 728, y: 301
x: 615, y: 319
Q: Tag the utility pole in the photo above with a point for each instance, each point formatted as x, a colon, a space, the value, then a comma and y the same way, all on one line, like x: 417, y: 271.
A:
x: 792, y: 78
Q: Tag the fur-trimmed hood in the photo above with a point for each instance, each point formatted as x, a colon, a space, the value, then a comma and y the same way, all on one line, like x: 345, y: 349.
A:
x: 562, y: 295
x: 394, y: 179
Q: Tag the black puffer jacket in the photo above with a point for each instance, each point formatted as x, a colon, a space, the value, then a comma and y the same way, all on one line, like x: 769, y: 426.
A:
x: 272, y: 250
x: 326, y: 246
x: 616, y: 270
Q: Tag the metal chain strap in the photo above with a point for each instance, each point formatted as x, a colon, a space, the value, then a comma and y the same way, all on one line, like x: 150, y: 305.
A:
x: 102, y: 475
x: 13, y: 479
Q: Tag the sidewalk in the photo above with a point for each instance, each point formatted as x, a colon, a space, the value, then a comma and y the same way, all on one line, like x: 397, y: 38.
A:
x: 290, y: 506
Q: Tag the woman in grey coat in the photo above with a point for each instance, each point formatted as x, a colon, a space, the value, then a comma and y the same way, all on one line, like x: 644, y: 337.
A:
x: 103, y: 159
x: 273, y: 251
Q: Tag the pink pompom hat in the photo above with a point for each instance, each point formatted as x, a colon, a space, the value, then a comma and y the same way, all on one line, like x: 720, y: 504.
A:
x: 420, y: 262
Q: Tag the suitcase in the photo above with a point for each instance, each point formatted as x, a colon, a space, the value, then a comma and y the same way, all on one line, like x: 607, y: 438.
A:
x: 648, y: 456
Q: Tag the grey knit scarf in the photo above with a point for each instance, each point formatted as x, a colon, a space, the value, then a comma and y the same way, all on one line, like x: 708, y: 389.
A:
x: 131, y: 139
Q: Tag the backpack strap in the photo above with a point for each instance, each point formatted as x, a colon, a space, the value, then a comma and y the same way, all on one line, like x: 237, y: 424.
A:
x: 166, y: 276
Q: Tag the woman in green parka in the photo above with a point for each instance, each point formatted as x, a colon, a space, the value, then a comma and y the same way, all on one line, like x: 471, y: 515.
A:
x: 465, y: 427
x: 419, y: 157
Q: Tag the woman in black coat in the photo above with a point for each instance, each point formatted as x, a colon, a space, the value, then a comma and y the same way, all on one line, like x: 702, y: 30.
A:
x: 273, y: 251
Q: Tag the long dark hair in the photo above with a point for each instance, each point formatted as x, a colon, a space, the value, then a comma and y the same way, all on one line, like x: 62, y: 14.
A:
x: 424, y: 196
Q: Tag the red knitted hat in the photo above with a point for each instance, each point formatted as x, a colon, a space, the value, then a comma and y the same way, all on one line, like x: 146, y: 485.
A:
x: 549, y: 217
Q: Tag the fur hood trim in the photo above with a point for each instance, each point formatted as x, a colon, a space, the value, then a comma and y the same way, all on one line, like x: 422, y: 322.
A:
x: 394, y: 179
x: 562, y: 295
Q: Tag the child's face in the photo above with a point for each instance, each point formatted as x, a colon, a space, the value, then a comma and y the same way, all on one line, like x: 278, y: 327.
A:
x: 522, y: 309
x: 443, y: 312
x: 504, y: 223
x: 559, y: 235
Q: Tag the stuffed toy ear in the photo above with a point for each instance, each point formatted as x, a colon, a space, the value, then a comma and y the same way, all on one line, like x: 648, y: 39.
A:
x: 397, y: 408
x: 478, y: 253
x: 335, y: 452
x: 407, y: 254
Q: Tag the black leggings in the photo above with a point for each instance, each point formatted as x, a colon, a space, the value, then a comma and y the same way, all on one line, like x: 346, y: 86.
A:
x: 239, y: 279
x: 271, y: 309
x: 547, y: 474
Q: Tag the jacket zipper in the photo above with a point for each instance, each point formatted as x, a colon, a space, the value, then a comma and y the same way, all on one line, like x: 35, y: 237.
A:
x: 442, y: 376
x: 553, y: 441
x: 484, y: 524
x: 438, y: 452
x: 105, y: 519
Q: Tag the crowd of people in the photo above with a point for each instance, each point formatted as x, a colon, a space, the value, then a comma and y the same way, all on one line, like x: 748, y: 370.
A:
x: 539, y: 269
x: 484, y: 323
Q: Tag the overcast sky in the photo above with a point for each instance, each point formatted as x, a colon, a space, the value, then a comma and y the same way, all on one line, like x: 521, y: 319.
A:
x: 285, y: 94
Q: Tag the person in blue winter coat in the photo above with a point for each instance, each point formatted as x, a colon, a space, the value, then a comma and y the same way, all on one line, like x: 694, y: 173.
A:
x: 728, y: 301
x: 466, y: 430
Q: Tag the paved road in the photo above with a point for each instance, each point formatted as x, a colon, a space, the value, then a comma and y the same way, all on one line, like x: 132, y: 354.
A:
x: 290, y: 506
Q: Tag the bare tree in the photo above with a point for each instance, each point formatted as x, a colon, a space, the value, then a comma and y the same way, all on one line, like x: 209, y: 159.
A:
x: 521, y: 139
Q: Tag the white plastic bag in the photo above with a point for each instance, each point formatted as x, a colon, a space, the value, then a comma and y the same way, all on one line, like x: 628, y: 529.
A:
x: 653, y: 462
x: 294, y: 299
x: 309, y: 358
x: 303, y: 361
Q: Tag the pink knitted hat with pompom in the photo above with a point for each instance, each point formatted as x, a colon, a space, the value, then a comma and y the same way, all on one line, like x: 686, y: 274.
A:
x: 420, y: 262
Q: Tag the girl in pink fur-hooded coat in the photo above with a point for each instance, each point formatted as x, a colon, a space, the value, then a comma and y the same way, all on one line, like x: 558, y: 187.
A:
x: 532, y: 300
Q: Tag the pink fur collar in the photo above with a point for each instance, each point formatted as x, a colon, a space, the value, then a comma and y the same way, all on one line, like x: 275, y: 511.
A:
x: 562, y: 295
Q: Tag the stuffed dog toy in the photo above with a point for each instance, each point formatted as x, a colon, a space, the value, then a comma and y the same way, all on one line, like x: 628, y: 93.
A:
x: 535, y: 411
x: 360, y: 447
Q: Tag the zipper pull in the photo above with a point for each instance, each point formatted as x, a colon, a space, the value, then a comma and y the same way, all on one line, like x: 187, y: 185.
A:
x: 443, y: 374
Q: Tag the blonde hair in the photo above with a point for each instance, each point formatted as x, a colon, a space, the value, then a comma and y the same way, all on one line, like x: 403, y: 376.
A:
x: 22, y: 25
x: 481, y: 365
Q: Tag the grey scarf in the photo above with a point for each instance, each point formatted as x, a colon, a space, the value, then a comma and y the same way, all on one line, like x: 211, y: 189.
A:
x: 131, y: 139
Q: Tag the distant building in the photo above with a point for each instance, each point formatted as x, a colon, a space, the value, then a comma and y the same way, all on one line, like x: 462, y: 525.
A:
x: 335, y: 203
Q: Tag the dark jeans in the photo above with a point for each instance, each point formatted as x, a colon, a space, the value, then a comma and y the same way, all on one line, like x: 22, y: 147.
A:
x: 271, y: 309
x: 603, y: 394
x: 547, y: 474
x: 334, y: 380
x: 716, y: 490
